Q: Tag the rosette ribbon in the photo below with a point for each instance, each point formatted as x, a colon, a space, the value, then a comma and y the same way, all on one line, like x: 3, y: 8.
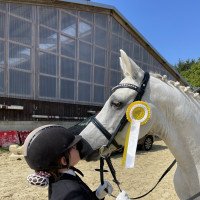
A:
x: 138, y: 113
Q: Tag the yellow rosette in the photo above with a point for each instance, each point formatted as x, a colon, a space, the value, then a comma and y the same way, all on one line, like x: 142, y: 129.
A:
x: 138, y: 113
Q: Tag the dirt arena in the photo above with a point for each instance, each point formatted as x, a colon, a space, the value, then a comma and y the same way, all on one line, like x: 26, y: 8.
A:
x: 148, y: 169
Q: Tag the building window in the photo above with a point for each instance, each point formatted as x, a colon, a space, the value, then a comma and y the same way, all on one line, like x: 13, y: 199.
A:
x: 101, y: 37
x: 48, y: 17
x: 99, y: 75
x: 19, y: 57
x: 100, y: 56
x: 85, y: 72
x: 48, y: 39
x: 20, y: 30
x: 85, y: 31
x: 68, y: 68
x: 68, y: 46
x: 68, y: 24
x: 19, y: 82
x: 2, y: 24
x: 99, y: 94
x: 1, y: 80
x: 84, y: 92
x: 47, y: 86
x: 85, y: 51
x: 67, y: 89
x: 47, y: 63
x: 2, y: 54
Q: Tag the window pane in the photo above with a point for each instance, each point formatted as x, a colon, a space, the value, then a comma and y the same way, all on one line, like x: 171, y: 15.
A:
x: 99, y: 94
x: 47, y: 63
x: 2, y: 25
x: 1, y: 80
x: 19, y: 82
x: 2, y: 6
x: 99, y: 75
x: 68, y: 46
x: 20, y: 30
x: 101, y: 20
x: 47, y: 86
x: 85, y: 52
x: 47, y: 39
x: 84, y: 92
x: 86, y: 15
x: 85, y: 31
x: 48, y: 17
x: 24, y: 11
x: 145, y: 56
x: 115, y: 78
x: 100, y: 56
x: 116, y: 27
x: 126, y: 46
x: 115, y: 61
x: 84, y: 72
x: 68, y: 68
x: 101, y: 37
x: 68, y: 24
x: 19, y: 57
x: 67, y: 89
x: 115, y: 43
x: 2, y: 51
x: 136, y: 52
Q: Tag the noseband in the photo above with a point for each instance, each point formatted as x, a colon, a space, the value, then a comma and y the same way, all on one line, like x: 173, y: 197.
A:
x: 140, y: 92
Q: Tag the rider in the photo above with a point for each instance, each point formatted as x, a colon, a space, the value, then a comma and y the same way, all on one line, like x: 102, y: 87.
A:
x: 52, y: 151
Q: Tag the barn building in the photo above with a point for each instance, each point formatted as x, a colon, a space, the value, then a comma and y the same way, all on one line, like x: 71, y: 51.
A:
x: 60, y: 59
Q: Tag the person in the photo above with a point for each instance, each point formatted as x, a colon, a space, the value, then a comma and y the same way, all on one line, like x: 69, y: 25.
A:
x: 52, y: 151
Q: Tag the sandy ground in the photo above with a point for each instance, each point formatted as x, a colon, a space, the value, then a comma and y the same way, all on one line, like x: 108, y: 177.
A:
x: 148, y: 169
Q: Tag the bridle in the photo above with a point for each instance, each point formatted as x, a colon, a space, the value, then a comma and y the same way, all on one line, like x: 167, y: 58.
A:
x: 140, y: 92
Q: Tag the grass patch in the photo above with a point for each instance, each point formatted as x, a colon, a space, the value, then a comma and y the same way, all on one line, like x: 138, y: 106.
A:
x: 4, y: 150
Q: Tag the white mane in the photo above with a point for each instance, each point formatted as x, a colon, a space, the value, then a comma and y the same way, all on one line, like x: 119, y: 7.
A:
x: 181, y: 96
x: 187, y: 90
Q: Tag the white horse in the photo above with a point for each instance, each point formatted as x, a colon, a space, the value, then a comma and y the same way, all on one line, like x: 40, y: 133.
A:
x: 175, y: 118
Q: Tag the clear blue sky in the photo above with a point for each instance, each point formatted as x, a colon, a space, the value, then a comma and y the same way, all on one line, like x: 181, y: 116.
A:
x: 171, y: 26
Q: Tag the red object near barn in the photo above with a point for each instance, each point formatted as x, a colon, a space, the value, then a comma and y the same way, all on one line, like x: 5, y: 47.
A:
x: 12, y: 137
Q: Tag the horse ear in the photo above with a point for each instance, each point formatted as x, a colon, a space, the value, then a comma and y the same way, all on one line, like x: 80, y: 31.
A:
x: 129, y: 67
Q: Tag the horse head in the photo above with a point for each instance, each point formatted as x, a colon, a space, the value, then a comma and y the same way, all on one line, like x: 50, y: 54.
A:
x: 115, y: 107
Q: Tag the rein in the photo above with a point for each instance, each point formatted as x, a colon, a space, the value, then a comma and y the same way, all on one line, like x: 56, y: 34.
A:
x: 113, y: 172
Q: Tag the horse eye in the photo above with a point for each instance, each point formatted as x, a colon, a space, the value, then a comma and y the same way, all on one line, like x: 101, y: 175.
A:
x: 116, y: 104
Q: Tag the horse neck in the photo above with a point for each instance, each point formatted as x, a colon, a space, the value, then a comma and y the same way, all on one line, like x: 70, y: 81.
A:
x: 178, y: 122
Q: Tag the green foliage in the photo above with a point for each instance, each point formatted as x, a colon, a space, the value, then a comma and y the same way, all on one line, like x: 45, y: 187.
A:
x: 3, y: 150
x: 190, y: 70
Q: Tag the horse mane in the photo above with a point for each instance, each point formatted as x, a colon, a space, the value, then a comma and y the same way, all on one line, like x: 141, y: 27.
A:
x: 184, y: 89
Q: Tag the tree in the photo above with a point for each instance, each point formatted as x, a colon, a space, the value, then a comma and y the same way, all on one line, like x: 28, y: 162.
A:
x: 190, y: 70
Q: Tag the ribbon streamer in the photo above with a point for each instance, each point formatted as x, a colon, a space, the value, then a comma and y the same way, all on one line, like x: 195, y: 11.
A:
x: 138, y: 113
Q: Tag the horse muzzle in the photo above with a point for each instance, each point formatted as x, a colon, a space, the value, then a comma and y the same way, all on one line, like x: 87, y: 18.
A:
x: 87, y: 152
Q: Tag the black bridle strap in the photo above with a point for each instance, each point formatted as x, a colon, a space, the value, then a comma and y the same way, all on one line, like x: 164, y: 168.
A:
x: 142, y: 86
x: 105, y: 132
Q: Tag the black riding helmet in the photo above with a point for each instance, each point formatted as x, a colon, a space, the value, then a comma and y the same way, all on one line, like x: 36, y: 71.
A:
x: 46, y: 144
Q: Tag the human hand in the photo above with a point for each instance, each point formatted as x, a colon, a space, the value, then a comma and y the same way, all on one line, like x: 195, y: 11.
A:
x: 103, y: 190
x: 122, y: 196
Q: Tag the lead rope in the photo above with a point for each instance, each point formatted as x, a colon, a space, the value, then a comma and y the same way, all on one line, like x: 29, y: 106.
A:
x: 113, y: 172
